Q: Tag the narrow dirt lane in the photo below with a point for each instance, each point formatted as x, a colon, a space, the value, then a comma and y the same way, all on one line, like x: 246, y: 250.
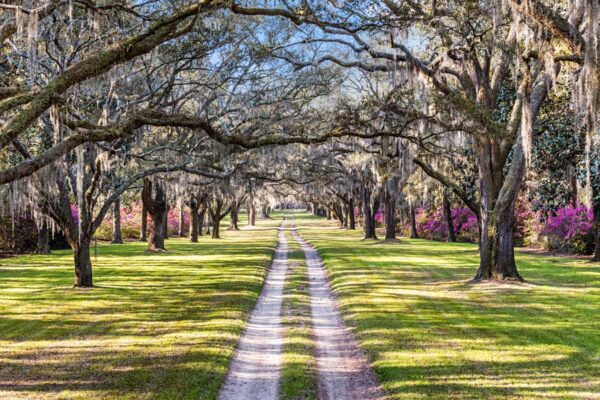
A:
x: 343, y: 370
x: 255, y: 369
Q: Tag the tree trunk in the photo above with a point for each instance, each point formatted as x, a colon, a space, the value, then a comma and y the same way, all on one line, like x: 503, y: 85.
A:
x: 351, y: 218
x: 155, y: 200
x: 337, y: 213
x: 497, y: 256
x: 390, y: 215
x: 194, y: 221
x: 498, y: 196
x: 43, y: 242
x: 201, y: 217
x: 117, y: 238
x: 369, y: 217
x: 448, y: 215
x: 83, y: 265
x: 596, y: 228
x: 216, y: 229
x: 157, y: 239
x: 346, y: 215
x: 166, y: 223
x: 181, y: 231
x: 144, y: 224
x: 413, y: 222
x: 233, y: 223
x: 252, y: 215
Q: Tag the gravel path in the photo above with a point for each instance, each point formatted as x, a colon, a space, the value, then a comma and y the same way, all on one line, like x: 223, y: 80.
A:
x: 343, y: 370
x: 255, y: 369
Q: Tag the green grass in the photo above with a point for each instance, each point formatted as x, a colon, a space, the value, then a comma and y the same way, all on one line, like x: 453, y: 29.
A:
x: 431, y: 334
x: 298, y: 377
x: 157, y: 326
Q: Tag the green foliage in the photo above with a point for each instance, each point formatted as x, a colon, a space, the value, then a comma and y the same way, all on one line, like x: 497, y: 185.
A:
x: 104, y: 232
x: 558, y: 152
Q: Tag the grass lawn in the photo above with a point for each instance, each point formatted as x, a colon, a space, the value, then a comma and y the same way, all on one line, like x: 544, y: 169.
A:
x: 431, y: 334
x: 157, y: 326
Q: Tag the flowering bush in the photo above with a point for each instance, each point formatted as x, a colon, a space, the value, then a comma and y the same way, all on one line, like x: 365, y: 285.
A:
x: 431, y: 224
x: 570, y: 229
x: 465, y: 224
x: 379, y: 217
x: 131, y: 221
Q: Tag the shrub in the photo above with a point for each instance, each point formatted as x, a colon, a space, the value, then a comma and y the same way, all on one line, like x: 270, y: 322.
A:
x: 570, y: 229
x: 431, y: 224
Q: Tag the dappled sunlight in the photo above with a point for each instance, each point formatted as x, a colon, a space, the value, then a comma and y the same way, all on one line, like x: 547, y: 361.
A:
x: 432, y: 333
x: 155, y: 326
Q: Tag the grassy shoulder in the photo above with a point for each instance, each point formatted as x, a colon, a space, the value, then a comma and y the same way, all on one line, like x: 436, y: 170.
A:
x: 430, y: 333
x: 299, y: 373
x: 157, y: 326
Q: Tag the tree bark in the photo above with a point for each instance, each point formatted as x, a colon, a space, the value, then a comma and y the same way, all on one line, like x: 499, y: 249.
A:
x: 181, y: 231
x: 201, y: 218
x: 448, y: 215
x: 413, y: 222
x: 251, y: 214
x: 83, y: 265
x: 234, y: 216
x: 368, y: 215
x: 117, y: 237
x: 390, y: 213
x: 596, y: 229
x: 351, y: 218
x: 194, y: 221
x: 346, y: 216
x: 155, y: 200
x: 216, y: 229
x: 43, y: 242
x: 215, y: 216
x: 498, y: 196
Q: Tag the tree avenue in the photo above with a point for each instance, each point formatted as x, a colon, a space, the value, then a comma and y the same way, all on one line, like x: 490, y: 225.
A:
x: 366, y: 111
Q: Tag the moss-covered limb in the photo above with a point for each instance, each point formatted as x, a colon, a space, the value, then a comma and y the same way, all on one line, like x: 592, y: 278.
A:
x: 97, y: 64
x: 9, y: 29
x: 9, y: 103
x: 299, y: 373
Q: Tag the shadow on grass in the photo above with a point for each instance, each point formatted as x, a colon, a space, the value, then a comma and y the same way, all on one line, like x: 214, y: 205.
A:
x: 432, y: 334
x: 156, y: 326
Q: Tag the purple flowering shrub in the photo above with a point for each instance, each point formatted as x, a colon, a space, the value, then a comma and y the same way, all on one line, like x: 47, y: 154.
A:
x: 570, y: 229
x: 379, y: 217
x: 431, y: 224
x: 465, y: 224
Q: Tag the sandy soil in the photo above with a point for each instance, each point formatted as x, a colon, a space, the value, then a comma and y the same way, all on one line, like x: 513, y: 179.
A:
x: 255, y: 369
x: 343, y: 370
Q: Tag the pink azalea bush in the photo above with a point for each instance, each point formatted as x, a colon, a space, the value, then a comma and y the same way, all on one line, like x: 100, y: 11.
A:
x: 431, y: 224
x: 131, y: 221
x: 379, y: 217
x: 570, y: 229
